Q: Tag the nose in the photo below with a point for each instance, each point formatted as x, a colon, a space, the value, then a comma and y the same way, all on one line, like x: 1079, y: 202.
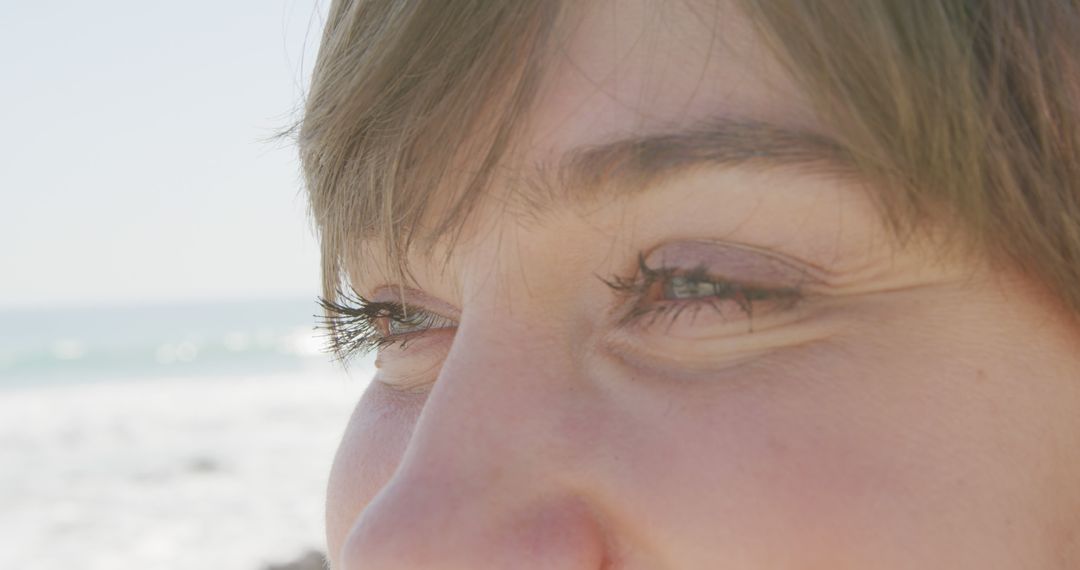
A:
x: 488, y: 479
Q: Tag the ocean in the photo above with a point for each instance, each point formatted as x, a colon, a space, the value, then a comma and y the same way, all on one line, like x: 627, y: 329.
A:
x: 195, y: 435
x: 67, y: 345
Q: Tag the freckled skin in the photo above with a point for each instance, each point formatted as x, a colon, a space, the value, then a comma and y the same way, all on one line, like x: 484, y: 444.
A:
x: 922, y: 415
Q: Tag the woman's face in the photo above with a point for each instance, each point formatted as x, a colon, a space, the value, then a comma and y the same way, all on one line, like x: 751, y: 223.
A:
x: 730, y: 367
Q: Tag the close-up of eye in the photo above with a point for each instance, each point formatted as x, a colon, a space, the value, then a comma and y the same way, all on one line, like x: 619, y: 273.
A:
x: 659, y: 295
x: 355, y: 326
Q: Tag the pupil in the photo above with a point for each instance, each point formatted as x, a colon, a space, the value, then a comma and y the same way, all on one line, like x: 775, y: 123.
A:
x: 681, y: 287
x: 410, y: 324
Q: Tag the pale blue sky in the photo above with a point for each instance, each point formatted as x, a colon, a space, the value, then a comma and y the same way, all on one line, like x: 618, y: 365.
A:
x: 133, y: 166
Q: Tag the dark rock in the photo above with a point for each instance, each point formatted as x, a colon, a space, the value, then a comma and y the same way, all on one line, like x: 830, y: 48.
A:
x: 204, y: 465
x: 310, y: 560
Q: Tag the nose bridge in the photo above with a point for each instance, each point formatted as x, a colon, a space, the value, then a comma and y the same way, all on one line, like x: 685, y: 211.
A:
x: 484, y: 482
x: 504, y: 389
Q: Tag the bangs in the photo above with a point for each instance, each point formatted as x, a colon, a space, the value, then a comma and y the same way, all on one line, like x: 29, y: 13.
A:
x: 403, y: 96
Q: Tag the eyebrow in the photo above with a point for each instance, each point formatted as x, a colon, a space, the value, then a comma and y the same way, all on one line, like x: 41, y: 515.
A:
x: 636, y: 162
x: 631, y: 164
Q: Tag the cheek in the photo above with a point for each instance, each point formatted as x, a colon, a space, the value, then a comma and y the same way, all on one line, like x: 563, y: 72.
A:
x: 785, y: 477
x: 872, y: 460
x: 370, y: 450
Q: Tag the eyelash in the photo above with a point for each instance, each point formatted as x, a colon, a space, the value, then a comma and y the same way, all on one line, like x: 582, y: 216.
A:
x: 352, y: 322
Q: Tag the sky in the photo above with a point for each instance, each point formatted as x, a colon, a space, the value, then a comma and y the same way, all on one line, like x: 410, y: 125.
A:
x: 136, y: 164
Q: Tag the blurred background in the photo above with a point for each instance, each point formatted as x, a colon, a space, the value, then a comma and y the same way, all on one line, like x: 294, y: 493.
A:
x: 164, y: 399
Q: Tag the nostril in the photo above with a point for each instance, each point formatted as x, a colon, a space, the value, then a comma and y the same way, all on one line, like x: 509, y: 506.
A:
x: 377, y: 539
x: 414, y: 528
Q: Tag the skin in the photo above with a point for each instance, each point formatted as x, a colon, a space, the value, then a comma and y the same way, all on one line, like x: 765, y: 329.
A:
x: 912, y: 411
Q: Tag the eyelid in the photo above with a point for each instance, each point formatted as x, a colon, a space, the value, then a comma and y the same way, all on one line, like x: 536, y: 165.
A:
x: 737, y: 262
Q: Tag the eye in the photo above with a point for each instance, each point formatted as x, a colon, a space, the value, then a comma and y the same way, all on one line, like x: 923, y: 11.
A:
x: 413, y: 320
x: 665, y: 294
x: 355, y: 325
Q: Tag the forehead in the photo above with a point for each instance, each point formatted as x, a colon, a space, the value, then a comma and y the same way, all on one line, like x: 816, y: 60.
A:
x: 626, y: 67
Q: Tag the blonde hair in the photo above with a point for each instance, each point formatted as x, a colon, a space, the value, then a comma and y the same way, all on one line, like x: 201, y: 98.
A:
x: 966, y: 112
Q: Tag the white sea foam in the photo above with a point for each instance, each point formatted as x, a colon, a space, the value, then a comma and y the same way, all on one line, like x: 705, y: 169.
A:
x: 225, y: 473
x: 237, y: 341
x: 304, y: 342
x: 69, y: 349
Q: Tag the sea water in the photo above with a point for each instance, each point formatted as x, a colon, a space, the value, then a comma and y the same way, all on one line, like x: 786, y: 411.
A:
x: 65, y: 345
x: 193, y: 435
